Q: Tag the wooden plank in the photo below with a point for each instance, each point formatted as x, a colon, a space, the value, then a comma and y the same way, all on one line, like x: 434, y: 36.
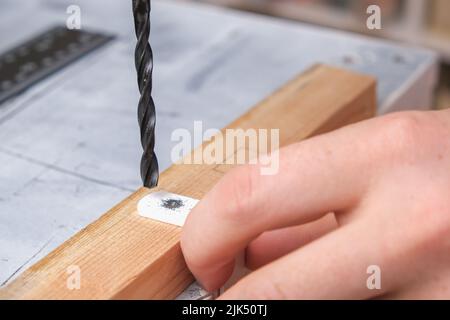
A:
x: 125, y: 256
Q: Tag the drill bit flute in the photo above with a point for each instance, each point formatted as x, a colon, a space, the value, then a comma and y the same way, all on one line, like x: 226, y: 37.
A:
x: 146, y: 107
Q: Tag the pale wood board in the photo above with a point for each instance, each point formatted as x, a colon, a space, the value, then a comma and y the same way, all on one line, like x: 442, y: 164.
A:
x: 125, y: 256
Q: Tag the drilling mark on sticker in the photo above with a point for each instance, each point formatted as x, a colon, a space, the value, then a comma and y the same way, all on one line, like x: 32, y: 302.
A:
x: 166, y: 207
x: 172, y: 204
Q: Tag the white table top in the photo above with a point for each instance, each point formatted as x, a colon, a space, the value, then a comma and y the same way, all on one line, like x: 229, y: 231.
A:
x: 69, y: 147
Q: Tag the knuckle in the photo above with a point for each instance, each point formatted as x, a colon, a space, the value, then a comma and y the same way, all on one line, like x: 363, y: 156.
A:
x: 412, y: 137
x: 401, y: 130
x: 239, y: 186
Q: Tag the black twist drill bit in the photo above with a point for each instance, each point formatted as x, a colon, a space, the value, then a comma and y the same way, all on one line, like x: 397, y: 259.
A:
x: 146, y: 107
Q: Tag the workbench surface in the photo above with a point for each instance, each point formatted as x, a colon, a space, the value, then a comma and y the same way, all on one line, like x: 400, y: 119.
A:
x: 69, y: 146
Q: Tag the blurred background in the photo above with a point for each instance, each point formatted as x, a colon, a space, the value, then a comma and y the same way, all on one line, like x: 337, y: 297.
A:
x: 424, y: 23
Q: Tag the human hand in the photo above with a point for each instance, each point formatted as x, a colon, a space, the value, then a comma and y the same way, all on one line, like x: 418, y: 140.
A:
x: 387, y: 183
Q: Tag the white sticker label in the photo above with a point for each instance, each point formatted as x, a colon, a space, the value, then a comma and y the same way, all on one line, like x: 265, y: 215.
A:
x: 166, y: 207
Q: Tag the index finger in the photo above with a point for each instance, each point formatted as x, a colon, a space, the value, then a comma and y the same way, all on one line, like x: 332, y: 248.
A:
x: 315, y: 177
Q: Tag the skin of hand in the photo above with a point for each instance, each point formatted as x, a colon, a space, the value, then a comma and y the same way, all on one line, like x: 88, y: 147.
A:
x: 372, y: 193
